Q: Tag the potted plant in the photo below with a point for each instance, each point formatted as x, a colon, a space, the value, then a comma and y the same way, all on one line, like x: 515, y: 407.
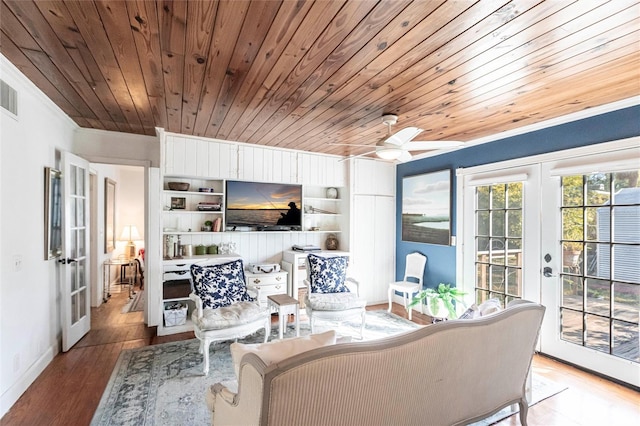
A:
x: 439, y: 298
x: 208, y: 226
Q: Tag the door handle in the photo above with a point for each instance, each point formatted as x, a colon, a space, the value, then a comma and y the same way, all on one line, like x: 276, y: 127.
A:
x: 67, y: 260
x: 548, y: 272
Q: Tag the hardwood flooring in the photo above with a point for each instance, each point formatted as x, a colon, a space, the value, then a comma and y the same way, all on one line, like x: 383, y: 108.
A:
x: 70, y: 388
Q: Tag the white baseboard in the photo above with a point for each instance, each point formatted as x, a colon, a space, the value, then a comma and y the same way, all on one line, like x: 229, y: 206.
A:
x: 12, y: 394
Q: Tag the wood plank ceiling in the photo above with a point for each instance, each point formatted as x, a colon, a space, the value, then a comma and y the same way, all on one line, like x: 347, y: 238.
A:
x: 309, y: 74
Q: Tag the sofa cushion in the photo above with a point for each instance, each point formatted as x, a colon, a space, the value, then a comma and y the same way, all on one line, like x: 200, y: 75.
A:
x: 229, y: 316
x: 327, y: 274
x: 278, y: 350
x: 220, y: 285
x: 334, y: 301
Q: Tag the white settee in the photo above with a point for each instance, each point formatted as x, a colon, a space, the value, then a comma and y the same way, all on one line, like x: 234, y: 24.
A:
x: 453, y: 372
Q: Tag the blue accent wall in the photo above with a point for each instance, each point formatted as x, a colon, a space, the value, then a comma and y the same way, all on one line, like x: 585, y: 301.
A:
x: 441, y: 263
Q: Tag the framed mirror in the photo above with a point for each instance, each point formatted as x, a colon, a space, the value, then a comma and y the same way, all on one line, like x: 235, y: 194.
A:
x: 109, y: 215
x: 52, y: 213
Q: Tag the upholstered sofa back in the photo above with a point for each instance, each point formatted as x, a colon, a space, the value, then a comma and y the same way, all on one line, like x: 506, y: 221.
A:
x: 448, y: 373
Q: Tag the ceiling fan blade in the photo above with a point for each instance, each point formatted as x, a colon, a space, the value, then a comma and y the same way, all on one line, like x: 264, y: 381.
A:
x: 403, y: 136
x: 355, y: 156
x: 429, y: 145
x: 348, y: 144
x: 405, y: 156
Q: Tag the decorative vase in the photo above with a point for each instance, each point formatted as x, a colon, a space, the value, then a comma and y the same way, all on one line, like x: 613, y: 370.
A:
x: 332, y: 242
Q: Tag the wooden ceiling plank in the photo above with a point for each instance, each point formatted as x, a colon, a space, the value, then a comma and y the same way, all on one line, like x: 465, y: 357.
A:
x: 597, y: 87
x: 172, y: 23
x: 24, y: 64
x: 200, y: 29
x: 381, y: 27
x: 451, y: 20
x: 228, y: 24
x: 556, y: 67
x: 282, y: 29
x: 556, y: 74
x: 89, y: 24
x: 143, y: 17
x: 501, y: 73
x: 60, y: 20
x: 587, y: 53
x: 419, y: 87
x: 115, y: 21
x: 13, y: 31
x: 247, y: 47
x: 29, y: 15
x: 318, y: 54
x: 316, y: 20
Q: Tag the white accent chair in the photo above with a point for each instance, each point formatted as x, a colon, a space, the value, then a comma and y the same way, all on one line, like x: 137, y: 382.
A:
x: 414, y: 269
x: 234, y: 321
x: 336, y: 307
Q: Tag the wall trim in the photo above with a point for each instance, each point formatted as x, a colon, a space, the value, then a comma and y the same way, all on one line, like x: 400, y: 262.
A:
x: 617, y: 145
x: 20, y: 386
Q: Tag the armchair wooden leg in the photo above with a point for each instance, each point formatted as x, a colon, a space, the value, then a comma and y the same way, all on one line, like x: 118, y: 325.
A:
x: 267, y: 328
x: 524, y: 408
x: 206, y: 343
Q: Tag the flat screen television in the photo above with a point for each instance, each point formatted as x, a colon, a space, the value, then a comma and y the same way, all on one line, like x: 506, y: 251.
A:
x: 263, y: 206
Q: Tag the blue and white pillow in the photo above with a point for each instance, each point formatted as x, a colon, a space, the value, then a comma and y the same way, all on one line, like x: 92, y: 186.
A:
x: 220, y: 285
x: 327, y: 274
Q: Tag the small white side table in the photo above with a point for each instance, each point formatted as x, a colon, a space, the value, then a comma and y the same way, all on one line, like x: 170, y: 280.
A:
x: 284, y: 305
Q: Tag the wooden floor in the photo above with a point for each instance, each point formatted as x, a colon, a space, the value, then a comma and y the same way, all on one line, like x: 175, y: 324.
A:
x: 70, y: 388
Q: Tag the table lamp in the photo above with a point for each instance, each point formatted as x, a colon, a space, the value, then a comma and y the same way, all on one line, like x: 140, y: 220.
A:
x: 129, y: 234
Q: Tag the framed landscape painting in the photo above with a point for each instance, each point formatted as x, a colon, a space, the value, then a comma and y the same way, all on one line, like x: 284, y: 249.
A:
x: 426, y: 208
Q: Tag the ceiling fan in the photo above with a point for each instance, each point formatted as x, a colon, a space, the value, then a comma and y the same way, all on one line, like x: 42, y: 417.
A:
x: 397, y: 145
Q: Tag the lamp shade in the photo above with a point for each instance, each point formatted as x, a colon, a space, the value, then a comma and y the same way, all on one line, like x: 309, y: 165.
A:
x: 130, y: 233
x: 388, y: 153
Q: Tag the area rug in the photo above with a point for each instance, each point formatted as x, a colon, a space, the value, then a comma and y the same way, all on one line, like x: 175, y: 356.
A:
x: 164, y: 385
x: 136, y: 304
x: 541, y: 389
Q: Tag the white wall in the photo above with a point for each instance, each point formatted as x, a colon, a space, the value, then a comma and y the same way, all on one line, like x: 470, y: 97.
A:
x: 29, y: 293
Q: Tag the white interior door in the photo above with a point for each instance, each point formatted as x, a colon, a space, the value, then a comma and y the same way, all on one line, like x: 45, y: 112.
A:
x: 76, y: 320
x: 591, y: 246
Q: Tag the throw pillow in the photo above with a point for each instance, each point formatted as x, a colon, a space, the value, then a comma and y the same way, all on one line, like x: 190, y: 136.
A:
x: 278, y: 350
x: 220, y: 285
x: 488, y: 307
x: 327, y: 274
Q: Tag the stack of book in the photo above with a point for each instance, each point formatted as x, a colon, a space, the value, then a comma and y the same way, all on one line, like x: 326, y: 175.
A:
x: 308, y: 247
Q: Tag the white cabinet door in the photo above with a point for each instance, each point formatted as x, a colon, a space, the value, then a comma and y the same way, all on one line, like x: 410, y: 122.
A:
x: 321, y: 170
x: 373, y: 245
x: 200, y: 158
x: 374, y: 177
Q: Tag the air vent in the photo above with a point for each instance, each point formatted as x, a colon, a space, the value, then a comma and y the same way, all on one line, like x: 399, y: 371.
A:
x: 8, y: 98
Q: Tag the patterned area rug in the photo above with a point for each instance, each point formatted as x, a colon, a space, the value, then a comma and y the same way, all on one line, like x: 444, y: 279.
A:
x: 164, y: 385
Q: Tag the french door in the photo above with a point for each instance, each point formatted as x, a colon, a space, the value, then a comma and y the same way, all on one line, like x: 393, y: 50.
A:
x: 563, y: 230
x: 76, y: 319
